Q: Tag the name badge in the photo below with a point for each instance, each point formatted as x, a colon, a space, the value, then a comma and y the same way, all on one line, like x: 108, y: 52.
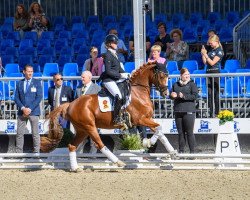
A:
x: 64, y: 99
x: 33, y: 89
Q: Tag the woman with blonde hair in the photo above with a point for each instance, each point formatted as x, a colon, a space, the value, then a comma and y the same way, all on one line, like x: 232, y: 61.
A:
x: 184, y: 93
x: 213, y: 61
x: 155, y: 55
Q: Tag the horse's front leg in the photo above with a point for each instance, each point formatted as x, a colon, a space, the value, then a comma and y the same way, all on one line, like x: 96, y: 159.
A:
x: 159, y: 135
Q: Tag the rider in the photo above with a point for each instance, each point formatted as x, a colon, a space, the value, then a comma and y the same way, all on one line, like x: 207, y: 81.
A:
x: 113, y: 73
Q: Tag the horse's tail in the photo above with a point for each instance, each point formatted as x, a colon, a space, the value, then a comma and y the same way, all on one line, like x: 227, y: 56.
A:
x: 55, y: 135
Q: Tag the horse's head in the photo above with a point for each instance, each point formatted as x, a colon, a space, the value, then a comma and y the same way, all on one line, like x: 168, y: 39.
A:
x: 161, y: 78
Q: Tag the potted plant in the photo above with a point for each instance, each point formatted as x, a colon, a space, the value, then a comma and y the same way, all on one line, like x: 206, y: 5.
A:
x: 131, y: 142
x: 226, y: 121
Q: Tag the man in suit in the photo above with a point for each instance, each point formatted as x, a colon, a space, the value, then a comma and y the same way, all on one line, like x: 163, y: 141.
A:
x: 59, y: 93
x: 28, y: 96
x: 88, y: 87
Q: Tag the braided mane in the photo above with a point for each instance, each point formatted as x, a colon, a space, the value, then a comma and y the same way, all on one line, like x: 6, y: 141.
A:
x: 141, y: 69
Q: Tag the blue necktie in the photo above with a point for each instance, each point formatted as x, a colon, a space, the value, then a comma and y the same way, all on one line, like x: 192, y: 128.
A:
x: 27, y: 86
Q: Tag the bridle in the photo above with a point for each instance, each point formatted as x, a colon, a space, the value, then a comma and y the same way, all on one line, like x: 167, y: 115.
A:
x: 157, y: 85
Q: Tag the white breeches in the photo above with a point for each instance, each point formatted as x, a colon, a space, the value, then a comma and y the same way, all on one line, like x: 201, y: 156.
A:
x: 113, y: 88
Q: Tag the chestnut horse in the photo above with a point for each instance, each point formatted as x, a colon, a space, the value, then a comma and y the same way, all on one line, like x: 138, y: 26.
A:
x: 85, y: 115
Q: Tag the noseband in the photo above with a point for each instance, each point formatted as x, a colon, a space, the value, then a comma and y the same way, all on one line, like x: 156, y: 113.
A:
x: 157, y: 86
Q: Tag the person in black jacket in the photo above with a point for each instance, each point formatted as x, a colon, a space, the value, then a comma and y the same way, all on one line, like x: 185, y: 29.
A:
x: 113, y: 73
x: 184, y: 93
x: 213, y: 59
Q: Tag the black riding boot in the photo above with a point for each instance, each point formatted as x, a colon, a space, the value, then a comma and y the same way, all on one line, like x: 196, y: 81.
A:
x: 117, y: 107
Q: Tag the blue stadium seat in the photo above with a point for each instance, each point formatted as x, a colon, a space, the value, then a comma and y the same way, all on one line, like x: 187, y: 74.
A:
x: 190, y: 35
x: 232, y: 17
x: 191, y: 65
x: 65, y: 34
x: 247, y: 94
x: 226, y: 34
x: 70, y: 69
x: 50, y: 69
x: 197, y: 56
x: 45, y: 90
x: 5, y: 29
x: 24, y: 44
x: 92, y: 19
x: 59, y: 20
x: 247, y: 64
x: 94, y: 27
x: 243, y: 79
x: 15, y: 35
x: 4, y: 91
x: 202, y: 27
x: 199, y: 80
x: 161, y: 17
x: 30, y: 51
x: 36, y: 68
x: 77, y: 43
x: 43, y: 59
x: 37, y: 74
x: 177, y: 18
x: 173, y: 80
x: 172, y: 66
x: 58, y: 29
x: 49, y: 51
x: 155, y: 94
x: 195, y: 18
x: 7, y: 59
x: 223, y: 79
x: 76, y: 28
x: 112, y: 25
x: 59, y: 44
x: 82, y: 34
x: 42, y: 43
x: 8, y: 20
x: 12, y: 51
x: 12, y: 84
x: 83, y: 50
x: 233, y: 88
x: 32, y: 35
x: 124, y: 19
x: 129, y: 66
x: 232, y: 65
x: 80, y: 60
x: 107, y: 19
x: 67, y: 51
x: 62, y: 60
x: 24, y: 60
x: 219, y: 24
x: 48, y: 35
x: 6, y: 43
x: 76, y: 19
x: 11, y: 68
x: 213, y: 17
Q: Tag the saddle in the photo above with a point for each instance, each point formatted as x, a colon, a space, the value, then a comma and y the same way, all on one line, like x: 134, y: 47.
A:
x: 106, y: 101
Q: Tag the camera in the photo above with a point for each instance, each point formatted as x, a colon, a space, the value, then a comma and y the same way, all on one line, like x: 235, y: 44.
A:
x: 146, y: 5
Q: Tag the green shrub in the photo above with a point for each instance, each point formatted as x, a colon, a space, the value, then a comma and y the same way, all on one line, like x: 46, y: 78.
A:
x: 131, y: 142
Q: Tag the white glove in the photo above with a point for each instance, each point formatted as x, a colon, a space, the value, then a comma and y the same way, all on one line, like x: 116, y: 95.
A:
x: 125, y: 75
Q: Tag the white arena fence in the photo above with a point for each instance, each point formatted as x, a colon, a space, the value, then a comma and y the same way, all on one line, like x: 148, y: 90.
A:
x: 133, y: 160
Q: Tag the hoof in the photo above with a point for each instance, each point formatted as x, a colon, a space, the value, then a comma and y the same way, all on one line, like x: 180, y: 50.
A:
x: 173, y: 154
x: 146, y: 143
x: 78, y: 170
x: 119, y: 163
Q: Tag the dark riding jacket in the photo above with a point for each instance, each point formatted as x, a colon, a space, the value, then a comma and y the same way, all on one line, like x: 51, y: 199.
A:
x: 112, y: 68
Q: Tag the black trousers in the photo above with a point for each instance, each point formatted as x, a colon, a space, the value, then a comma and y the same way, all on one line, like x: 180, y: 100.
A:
x: 213, y: 95
x: 185, y: 127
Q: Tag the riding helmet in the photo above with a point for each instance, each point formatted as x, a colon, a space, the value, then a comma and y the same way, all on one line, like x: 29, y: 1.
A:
x: 111, y: 38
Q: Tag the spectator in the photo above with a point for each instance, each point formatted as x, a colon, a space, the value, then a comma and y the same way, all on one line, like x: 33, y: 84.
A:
x: 21, y: 20
x: 177, y: 50
x: 59, y: 93
x: 28, y: 96
x: 95, y: 63
x: 38, y: 21
x: 210, y: 33
x: 163, y: 38
x: 88, y: 87
x: 132, y: 48
x: 122, y: 50
x: 184, y: 93
x: 155, y: 55
x: 213, y: 61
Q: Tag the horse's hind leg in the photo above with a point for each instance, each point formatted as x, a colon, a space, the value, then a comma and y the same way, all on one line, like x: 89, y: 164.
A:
x: 99, y: 144
x: 79, y: 137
